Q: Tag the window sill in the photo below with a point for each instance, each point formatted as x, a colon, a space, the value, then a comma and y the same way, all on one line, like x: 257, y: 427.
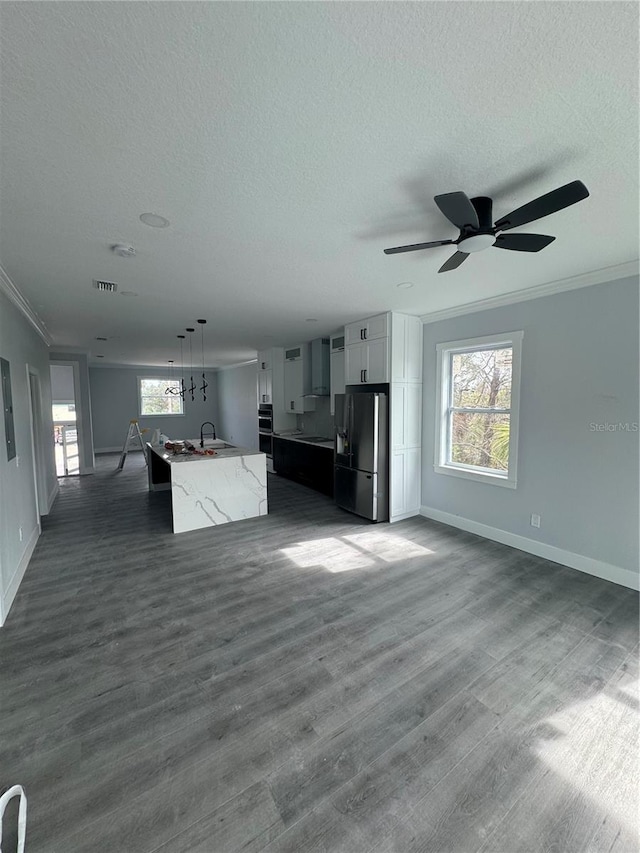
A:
x: 166, y: 415
x: 479, y: 477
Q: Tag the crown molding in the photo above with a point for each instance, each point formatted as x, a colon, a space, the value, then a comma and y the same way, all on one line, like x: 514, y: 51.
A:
x: 13, y: 294
x: 588, y: 279
x: 238, y: 364
x: 158, y: 368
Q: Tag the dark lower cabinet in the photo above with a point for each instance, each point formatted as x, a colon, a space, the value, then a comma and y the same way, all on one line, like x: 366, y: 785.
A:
x: 305, y: 463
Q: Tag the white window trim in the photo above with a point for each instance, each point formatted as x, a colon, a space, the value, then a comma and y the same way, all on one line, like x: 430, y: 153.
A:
x: 168, y: 414
x: 452, y: 469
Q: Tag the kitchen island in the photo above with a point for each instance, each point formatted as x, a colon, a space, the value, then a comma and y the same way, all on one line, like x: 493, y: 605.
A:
x: 210, y: 490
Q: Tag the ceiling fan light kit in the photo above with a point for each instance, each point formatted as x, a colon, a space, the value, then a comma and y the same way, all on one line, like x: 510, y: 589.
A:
x: 474, y: 217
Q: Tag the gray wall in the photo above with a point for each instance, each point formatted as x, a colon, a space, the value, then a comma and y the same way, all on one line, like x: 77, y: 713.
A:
x: 114, y: 402
x: 62, y: 388
x: 238, y: 405
x: 83, y: 406
x: 579, y: 367
x: 319, y: 422
x: 20, y: 345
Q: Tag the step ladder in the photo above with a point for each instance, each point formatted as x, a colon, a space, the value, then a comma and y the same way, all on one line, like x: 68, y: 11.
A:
x: 133, y: 434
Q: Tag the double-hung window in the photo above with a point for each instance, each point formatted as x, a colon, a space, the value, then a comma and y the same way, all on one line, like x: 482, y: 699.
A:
x: 159, y: 396
x: 477, y: 411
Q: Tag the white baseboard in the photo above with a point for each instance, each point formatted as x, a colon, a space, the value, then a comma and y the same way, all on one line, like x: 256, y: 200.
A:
x: 10, y: 593
x: 606, y: 571
x: 53, y: 494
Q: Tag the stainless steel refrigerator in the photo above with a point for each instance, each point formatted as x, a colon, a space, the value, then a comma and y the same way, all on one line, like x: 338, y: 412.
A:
x: 361, y: 455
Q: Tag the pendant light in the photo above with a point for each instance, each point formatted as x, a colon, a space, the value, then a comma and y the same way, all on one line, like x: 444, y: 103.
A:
x: 171, y: 388
x: 192, y: 387
x: 182, y: 388
x: 205, y: 384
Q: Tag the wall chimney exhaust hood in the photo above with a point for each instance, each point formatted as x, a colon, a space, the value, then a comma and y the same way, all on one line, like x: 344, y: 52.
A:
x: 320, y: 360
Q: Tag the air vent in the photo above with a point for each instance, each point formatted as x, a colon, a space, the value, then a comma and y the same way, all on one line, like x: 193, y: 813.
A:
x: 105, y: 286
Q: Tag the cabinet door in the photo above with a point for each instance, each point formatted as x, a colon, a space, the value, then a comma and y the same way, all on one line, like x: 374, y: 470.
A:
x: 405, y: 483
x: 377, y: 360
x: 265, y: 386
x: 337, y: 377
x: 377, y: 327
x: 355, y: 363
x: 354, y: 333
x: 406, y: 415
x: 293, y: 401
x: 264, y: 360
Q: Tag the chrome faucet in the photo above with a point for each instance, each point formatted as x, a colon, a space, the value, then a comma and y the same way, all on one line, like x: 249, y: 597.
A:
x: 213, y: 432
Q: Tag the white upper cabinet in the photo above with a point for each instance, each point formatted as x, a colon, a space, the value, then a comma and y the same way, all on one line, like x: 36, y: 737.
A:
x: 367, y: 330
x: 337, y: 342
x: 337, y: 377
x: 297, y: 380
x: 265, y: 360
x: 367, y: 362
x: 265, y: 386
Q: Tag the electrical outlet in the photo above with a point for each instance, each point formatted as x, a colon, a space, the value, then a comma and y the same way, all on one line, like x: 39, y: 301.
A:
x: 535, y: 520
x: 17, y: 461
x: 20, y: 533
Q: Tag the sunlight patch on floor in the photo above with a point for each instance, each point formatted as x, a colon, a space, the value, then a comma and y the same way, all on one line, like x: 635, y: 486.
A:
x: 389, y: 547
x: 594, y: 731
x: 334, y: 555
x: 359, y: 551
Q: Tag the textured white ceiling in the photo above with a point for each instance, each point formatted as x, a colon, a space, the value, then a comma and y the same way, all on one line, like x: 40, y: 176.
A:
x: 289, y: 144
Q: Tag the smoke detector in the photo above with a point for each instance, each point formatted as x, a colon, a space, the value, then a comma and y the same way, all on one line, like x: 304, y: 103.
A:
x: 123, y: 251
x: 105, y: 286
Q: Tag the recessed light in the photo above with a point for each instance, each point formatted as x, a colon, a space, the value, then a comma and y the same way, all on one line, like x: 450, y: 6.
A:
x: 101, y: 339
x: 311, y: 320
x: 99, y: 356
x: 405, y: 285
x: 154, y: 220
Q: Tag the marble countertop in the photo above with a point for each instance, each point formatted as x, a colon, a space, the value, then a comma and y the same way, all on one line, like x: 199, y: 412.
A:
x: 221, y: 453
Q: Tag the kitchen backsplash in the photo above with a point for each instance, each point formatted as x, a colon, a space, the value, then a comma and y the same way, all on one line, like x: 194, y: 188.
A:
x: 319, y: 422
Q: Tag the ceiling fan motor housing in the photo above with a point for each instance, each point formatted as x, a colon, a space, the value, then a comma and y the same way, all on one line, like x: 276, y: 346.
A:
x: 474, y: 239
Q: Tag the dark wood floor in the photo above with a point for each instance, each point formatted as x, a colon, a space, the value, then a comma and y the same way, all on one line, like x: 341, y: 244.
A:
x: 307, y: 681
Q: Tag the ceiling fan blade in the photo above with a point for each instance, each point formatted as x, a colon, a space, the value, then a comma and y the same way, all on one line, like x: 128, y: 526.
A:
x: 415, y: 246
x: 454, y: 261
x: 458, y: 209
x: 523, y: 242
x: 544, y: 205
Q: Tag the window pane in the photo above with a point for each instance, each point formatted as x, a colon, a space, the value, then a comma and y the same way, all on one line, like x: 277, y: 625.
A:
x: 154, y: 400
x: 480, y: 439
x: 482, y: 378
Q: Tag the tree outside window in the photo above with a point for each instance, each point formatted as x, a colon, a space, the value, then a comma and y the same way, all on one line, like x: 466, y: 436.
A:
x: 477, y: 418
x: 154, y: 399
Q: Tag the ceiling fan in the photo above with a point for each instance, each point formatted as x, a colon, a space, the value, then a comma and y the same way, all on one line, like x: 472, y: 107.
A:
x: 474, y: 216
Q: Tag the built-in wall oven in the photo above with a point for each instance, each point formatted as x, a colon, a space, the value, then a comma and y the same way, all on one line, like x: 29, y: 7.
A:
x: 265, y: 432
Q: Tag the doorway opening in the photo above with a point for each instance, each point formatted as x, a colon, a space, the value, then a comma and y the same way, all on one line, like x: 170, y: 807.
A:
x: 65, y: 428
x: 37, y: 443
